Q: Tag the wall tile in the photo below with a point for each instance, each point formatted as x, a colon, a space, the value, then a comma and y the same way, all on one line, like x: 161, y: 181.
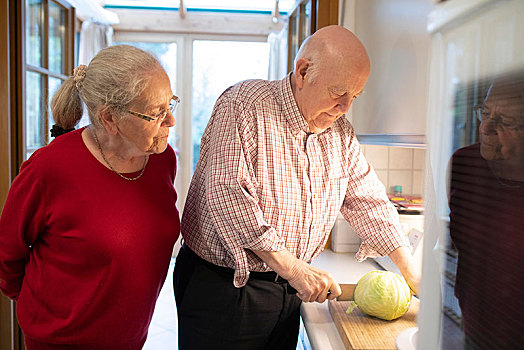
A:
x: 403, y: 178
x: 400, y: 158
x: 377, y: 156
x: 383, y: 177
x: 418, y: 182
x: 419, y: 159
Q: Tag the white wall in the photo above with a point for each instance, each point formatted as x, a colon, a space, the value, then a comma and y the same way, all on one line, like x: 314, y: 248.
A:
x: 395, y: 36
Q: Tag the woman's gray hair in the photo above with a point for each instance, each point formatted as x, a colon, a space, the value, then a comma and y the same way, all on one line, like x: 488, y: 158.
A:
x: 114, y: 79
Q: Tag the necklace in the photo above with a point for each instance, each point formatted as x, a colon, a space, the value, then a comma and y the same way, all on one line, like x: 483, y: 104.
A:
x: 113, y: 169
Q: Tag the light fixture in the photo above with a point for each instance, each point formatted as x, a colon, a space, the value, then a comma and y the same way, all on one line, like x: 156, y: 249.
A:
x: 182, y: 10
x: 276, y: 13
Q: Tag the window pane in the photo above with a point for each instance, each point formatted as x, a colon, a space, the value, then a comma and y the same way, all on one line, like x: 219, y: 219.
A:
x: 34, y: 32
x: 216, y: 66
x: 56, y: 37
x: 54, y: 84
x: 34, y: 123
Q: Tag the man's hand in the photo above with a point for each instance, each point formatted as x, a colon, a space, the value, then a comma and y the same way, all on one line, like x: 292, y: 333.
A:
x: 312, y: 284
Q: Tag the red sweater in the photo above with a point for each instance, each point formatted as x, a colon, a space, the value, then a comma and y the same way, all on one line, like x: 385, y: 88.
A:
x: 84, y: 251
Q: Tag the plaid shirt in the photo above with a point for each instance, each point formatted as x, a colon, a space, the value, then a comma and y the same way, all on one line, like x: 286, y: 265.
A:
x: 264, y: 182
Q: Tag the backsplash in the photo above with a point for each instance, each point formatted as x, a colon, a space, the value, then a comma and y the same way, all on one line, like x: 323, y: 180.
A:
x: 398, y: 166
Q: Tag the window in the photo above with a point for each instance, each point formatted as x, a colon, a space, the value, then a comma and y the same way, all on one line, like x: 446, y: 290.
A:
x: 48, y: 45
x: 216, y: 66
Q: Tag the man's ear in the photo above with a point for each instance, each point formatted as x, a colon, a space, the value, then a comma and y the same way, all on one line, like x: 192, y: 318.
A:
x: 303, y: 64
x: 108, y: 119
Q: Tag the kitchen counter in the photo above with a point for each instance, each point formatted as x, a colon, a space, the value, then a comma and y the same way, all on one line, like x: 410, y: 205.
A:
x: 319, y: 325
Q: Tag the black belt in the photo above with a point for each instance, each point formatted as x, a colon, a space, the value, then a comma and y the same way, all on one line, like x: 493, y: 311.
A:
x: 270, y: 276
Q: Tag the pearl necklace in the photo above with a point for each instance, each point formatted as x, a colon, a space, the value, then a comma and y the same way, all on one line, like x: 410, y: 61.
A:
x: 113, y: 169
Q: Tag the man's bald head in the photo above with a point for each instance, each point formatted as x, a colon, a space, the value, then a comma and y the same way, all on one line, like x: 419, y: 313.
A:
x: 331, y: 69
x: 333, y: 47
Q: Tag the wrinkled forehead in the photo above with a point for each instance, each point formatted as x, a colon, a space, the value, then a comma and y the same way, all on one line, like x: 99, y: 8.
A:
x: 345, y: 78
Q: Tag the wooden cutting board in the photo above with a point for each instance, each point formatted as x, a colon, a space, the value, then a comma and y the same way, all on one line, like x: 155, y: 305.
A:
x: 360, y: 331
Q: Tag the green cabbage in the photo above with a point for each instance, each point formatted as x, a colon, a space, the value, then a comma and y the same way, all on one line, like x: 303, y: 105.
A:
x: 382, y: 294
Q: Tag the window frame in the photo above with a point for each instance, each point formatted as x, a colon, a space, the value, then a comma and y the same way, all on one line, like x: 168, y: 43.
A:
x: 44, y: 71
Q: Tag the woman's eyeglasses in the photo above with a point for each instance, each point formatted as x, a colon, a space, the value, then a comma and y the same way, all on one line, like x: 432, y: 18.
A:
x: 162, y: 115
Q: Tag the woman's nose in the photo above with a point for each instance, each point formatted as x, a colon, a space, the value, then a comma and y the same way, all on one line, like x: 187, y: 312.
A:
x: 169, y: 121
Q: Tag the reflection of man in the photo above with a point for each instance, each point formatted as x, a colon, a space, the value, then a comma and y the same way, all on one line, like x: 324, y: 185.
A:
x: 487, y: 221
x: 278, y: 161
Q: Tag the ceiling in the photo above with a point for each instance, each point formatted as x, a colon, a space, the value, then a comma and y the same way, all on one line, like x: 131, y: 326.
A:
x: 254, y: 6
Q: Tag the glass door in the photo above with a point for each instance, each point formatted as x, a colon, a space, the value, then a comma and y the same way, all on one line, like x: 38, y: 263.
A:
x: 216, y: 66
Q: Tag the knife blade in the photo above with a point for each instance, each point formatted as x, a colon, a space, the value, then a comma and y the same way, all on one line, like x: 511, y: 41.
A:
x: 347, y: 291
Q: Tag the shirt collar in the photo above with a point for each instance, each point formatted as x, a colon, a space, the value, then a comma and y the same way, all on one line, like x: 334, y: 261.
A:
x: 294, y: 118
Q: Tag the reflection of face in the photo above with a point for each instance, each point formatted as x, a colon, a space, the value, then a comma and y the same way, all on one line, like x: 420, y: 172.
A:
x: 150, y: 136
x: 497, y: 143
x: 329, y: 96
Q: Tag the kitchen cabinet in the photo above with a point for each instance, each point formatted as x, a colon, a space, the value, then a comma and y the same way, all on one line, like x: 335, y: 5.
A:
x: 471, y: 42
x: 392, y: 110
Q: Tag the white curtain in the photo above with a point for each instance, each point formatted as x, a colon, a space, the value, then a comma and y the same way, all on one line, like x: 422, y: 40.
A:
x: 93, y: 38
x: 277, y: 54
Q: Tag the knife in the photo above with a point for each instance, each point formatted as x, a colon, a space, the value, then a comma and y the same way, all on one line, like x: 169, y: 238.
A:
x: 347, y: 292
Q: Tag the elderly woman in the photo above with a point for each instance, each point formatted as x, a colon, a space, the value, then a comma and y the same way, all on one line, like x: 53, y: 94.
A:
x: 88, y: 228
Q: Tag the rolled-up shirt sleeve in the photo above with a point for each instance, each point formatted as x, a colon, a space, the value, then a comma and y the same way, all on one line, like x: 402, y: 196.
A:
x: 231, y: 188
x: 368, y: 210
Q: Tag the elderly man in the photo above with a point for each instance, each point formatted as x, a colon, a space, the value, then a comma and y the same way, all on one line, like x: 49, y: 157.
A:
x: 487, y: 220
x: 278, y: 161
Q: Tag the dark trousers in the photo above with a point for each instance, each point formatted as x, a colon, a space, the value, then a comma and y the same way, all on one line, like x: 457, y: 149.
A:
x: 213, y: 314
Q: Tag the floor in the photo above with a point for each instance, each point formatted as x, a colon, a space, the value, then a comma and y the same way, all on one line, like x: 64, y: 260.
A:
x: 163, y: 329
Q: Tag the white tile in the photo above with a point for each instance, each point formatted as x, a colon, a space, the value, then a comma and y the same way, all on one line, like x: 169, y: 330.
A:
x: 383, y: 177
x: 418, y: 182
x: 363, y: 149
x: 419, y: 159
x: 403, y: 178
x: 377, y: 156
x: 400, y: 158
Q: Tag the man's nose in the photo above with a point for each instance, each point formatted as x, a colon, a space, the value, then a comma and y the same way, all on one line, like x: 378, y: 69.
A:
x: 343, y: 104
x: 488, y: 126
